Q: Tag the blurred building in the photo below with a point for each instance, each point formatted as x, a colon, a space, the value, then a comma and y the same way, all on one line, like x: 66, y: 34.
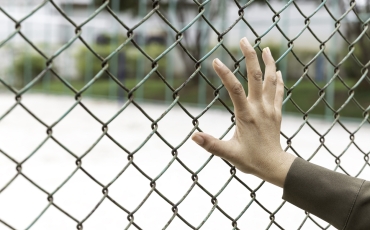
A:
x: 48, y: 29
x: 48, y: 21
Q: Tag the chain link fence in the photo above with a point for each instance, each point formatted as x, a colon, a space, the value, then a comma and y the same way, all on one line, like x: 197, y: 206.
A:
x: 360, y: 82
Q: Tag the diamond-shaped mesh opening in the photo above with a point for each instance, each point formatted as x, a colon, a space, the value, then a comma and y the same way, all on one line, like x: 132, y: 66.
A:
x: 98, y: 100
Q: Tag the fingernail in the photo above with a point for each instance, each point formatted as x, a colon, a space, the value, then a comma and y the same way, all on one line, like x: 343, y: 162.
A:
x: 245, y: 41
x: 198, y: 139
x: 267, y: 50
x: 218, y: 62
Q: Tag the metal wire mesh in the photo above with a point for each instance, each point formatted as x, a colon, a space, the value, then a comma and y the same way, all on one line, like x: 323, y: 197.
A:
x: 176, y: 95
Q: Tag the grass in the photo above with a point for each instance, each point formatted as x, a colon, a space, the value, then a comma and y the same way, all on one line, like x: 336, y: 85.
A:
x: 304, y: 95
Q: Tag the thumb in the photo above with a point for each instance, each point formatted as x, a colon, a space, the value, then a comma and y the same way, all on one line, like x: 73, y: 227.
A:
x: 212, y: 145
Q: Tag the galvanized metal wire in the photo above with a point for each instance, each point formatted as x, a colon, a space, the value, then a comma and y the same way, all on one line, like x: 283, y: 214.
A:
x: 176, y: 94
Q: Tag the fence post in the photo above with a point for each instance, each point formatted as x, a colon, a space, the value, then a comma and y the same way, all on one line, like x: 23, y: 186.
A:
x: 89, y: 57
x: 171, y: 55
x: 46, y: 79
x: 139, y: 93
x: 69, y: 11
x: 242, y: 33
x: 202, y: 87
x: 329, y: 92
x: 283, y: 64
x: 222, y: 54
x: 27, y: 73
x: 113, y: 64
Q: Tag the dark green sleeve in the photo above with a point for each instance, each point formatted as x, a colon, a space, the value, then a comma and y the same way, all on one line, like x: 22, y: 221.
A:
x: 341, y: 200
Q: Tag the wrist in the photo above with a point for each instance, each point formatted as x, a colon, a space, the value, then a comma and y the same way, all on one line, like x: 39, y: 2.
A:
x: 276, y: 168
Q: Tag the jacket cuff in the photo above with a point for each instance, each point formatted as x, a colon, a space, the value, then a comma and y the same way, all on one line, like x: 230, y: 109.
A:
x: 322, y: 192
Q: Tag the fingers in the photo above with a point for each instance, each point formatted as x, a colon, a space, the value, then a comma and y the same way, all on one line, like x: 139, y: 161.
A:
x: 213, y: 145
x: 253, y: 70
x: 279, y: 95
x: 232, y: 84
x: 269, y: 83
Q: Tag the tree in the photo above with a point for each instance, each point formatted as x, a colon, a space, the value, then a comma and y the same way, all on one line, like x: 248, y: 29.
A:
x: 184, y: 11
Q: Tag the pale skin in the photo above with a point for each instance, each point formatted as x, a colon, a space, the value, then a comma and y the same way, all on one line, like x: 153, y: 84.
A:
x: 255, y: 146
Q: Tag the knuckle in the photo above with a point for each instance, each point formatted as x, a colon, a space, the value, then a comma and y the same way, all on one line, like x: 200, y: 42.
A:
x: 251, y: 54
x: 280, y: 90
x: 272, y: 79
x: 211, y: 147
x: 270, y: 113
x: 237, y: 88
x: 272, y: 65
x: 267, y: 110
x: 257, y: 75
x: 250, y: 119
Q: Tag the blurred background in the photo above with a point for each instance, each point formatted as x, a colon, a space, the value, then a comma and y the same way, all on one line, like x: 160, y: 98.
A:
x: 86, y: 83
x: 49, y: 30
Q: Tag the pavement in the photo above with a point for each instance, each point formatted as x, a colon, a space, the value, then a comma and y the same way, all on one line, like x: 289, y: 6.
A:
x: 22, y: 202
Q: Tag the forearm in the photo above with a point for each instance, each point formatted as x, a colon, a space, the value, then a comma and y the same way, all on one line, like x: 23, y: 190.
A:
x: 341, y: 200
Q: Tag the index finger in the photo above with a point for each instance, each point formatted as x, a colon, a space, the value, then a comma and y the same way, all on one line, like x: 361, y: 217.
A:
x: 253, y: 70
x: 232, y: 85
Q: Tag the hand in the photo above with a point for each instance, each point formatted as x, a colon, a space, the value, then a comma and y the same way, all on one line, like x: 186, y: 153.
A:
x: 255, y: 147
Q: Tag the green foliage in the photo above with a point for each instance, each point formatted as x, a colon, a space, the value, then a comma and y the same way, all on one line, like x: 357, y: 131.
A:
x: 89, y: 65
x: 351, y: 67
x: 28, y: 65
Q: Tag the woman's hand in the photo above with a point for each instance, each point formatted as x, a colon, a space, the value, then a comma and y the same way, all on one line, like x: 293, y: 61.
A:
x: 255, y: 147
